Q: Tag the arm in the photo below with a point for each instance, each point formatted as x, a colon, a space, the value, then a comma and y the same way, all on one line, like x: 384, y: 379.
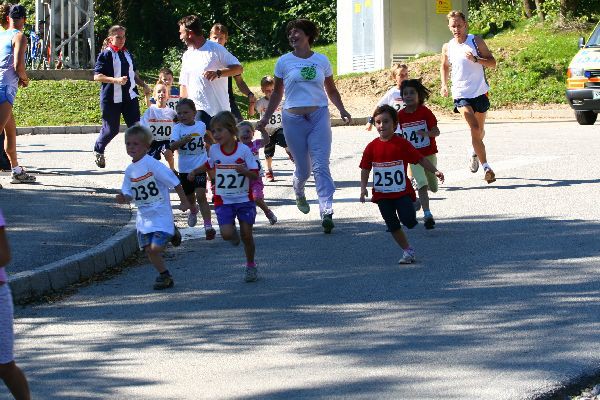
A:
x: 197, y: 171
x: 425, y: 163
x: 140, y: 82
x: 230, y: 70
x: 486, y: 58
x: 444, y: 70
x: 4, y: 248
x: 248, y: 173
x: 239, y: 81
x: 364, y: 180
x: 274, y: 101
x: 433, y: 132
x: 183, y: 92
x: 20, y: 45
x: 336, y: 99
x: 123, y: 198
x: 176, y: 144
x: 370, y: 120
x: 109, y: 79
x: 266, y: 139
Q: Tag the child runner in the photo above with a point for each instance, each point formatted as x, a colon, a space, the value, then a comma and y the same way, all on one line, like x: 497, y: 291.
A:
x: 246, y: 134
x: 159, y: 119
x: 393, y: 97
x: 274, y: 127
x: 234, y: 167
x: 13, y: 377
x: 388, y: 156
x: 419, y: 127
x: 165, y: 75
x: 189, y: 140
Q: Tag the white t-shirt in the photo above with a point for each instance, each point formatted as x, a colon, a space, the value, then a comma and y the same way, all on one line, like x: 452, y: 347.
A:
x: 393, y: 97
x: 231, y: 187
x: 148, y: 181
x: 468, y: 77
x: 209, y: 96
x: 303, y: 79
x: 192, y: 154
x: 159, y: 121
x: 275, y: 120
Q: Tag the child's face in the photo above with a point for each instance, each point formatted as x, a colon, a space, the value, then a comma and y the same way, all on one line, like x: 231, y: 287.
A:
x: 410, y: 96
x: 246, y: 134
x: 222, y: 135
x: 166, y: 78
x: 136, y: 147
x: 185, y: 115
x: 401, y: 76
x: 267, y: 90
x: 385, y: 125
x: 160, y: 94
x: 219, y: 37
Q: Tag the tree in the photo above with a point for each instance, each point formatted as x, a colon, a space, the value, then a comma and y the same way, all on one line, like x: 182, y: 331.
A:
x: 527, y: 8
x: 540, y: 10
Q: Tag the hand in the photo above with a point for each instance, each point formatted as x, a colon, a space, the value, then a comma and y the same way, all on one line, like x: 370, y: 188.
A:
x: 122, y: 199
x: 188, y: 138
x: 470, y: 56
x: 440, y: 176
x: 444, y: 91
x: 241, y: 168
x: 210, y: 75
x: 191, y: 176
x: 185, y: 205
x: 369, y: 126
x: 346, y: 116
x: 262, y: 124
x: 251, y: 98
x: 122, y: 80
x: 423, y: 132
x: 363, y: 193
x: 24, y: 82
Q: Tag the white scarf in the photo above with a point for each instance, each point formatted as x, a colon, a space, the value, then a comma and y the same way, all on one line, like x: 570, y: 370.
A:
x: 117, y: 92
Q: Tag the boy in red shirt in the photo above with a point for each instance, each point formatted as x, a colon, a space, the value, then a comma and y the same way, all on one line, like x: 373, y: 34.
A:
x: 388, y: 156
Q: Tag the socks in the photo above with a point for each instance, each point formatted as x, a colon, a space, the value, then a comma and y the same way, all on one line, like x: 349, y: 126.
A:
x: 251, y: 264
x: 427, y: 213
x: 207, y: 223
x: 410, y: 250
x: 17, y: 169
x: 486, y: 166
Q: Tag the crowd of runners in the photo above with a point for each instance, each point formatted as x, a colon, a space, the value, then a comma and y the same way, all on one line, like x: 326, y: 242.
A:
x: 211, y: 153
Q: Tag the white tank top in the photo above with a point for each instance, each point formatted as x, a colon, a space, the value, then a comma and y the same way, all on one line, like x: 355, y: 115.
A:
x: 468, y: 78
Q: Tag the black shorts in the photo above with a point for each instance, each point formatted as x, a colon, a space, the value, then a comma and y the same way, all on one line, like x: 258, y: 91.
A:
x: 479, y: 104
x: 203, y: 116
x: 398, y: 210
x: 277, y: 138
x: 190, y: 187
x: 158, y: 147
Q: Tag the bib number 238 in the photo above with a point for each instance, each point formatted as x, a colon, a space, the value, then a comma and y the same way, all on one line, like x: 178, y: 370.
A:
x: 145, y: 190
x: 389, y: 177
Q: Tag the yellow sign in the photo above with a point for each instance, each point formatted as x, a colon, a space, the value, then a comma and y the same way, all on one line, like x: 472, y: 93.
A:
x: 443, y: 6
x: 368, y: 3
x: 357, y: 7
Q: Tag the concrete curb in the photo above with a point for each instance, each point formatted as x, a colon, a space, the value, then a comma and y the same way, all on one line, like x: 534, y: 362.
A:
x: 59, y: 274
x: 62, y: 130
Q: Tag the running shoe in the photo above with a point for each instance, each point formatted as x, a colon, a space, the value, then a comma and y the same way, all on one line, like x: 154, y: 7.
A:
x: 251, y: 274
x: 163, y: 282
x: 269, y: 175
x: 302, y: 204
x: 489, y: 176
x: 100, y: 160
x: 176, y: 239
x: 429, y: 222
x: 271, y: 217
x: 473, y: 163
x: 417, y: 205
x: 211, y: 233
x: 407, y: 258
x: 192, y: 219
x: 327, y: 223
x: 22, y: 177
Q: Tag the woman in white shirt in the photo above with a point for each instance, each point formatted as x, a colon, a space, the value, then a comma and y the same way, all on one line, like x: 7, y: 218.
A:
x: 306, y: 78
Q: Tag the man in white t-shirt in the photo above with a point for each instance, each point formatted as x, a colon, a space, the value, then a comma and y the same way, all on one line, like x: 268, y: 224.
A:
x: 205, y: 67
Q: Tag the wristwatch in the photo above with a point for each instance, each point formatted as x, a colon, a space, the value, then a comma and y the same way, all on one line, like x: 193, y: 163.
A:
x: 219, y: 73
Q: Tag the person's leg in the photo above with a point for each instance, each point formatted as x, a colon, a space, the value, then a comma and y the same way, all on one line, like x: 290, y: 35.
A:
x: 262, y: 205
x: 170, y: 159
x: 15, y: 381
x: 154, y: 253
x: 226, y: 218
x: 248, y: 240
x: 200, y: 184
x: 111, y: 117
x: 131, y: 112
x: 296, y: 131
x: 475, y: 123
x: 10, y: 140
x: 319, y: 147
x: 269, y: 153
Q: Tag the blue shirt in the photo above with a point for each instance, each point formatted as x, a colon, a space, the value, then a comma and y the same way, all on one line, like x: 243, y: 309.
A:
x: 104, y: 66
x: 8, y: 75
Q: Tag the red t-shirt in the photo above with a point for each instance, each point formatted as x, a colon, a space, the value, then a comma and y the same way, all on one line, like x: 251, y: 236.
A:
x: 421, y: 119
x: 389, y: 161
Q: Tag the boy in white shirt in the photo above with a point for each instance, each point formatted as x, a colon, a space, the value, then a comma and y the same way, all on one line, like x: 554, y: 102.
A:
x: 159, y: 119
x: 147, y: 182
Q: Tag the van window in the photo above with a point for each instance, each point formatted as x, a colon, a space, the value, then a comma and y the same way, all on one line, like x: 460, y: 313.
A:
x: 595, y: 38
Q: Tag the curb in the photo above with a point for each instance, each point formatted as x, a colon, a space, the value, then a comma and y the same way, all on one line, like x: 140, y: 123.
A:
x: 59, y: 274
x: 62, y: 130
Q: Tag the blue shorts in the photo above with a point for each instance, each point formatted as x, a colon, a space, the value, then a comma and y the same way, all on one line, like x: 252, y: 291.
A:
x: 479, y: 104
x: 398, y: 210
x: 153, y: 238
x: 245, y: 212
x: 8, y: 93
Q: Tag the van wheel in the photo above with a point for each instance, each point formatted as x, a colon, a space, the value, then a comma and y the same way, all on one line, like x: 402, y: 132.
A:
x: 586, y: 117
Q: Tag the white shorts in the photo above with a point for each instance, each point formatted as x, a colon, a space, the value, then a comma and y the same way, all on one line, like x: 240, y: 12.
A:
x: 6, y: 325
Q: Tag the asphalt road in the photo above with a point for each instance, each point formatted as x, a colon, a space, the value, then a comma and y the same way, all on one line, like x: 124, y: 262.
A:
x: 502, y: 304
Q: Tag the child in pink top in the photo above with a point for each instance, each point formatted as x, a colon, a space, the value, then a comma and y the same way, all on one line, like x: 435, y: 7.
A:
x: 246, y: 134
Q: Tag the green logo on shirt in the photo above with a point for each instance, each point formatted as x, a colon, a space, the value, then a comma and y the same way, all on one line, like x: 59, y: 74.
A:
x: 309, y: 73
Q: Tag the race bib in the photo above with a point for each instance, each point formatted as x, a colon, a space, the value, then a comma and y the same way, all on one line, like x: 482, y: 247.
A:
x: 161, y: 129
x: 172, y: 102
x: 193, y: 147
x: 229, y: 183
x: 409, y: 132
x: 388, y: 177
x: 145, y: 190
x: 275, y: 120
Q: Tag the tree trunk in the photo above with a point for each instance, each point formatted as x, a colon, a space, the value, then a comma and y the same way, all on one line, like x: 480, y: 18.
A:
x: 540, y: 12
x: 527, y: 9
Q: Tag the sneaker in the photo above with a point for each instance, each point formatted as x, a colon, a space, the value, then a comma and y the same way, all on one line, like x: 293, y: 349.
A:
x: 473, y: 163
x: 271, y: 217
x: 236, y: 239
x: 269, y: 175
x: 251, y: 274
x: 407, y: 258
x: 429, y: 222
x: 417, y: 205
x: 489, y: 176
x: 22, y: 177
x: 176, y: 239
x: 100, y: 160
x: 327, y: 223
x: 192, y: 219
x: 302, y: 204
x: 163, y: 282
x: 211, y: 233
